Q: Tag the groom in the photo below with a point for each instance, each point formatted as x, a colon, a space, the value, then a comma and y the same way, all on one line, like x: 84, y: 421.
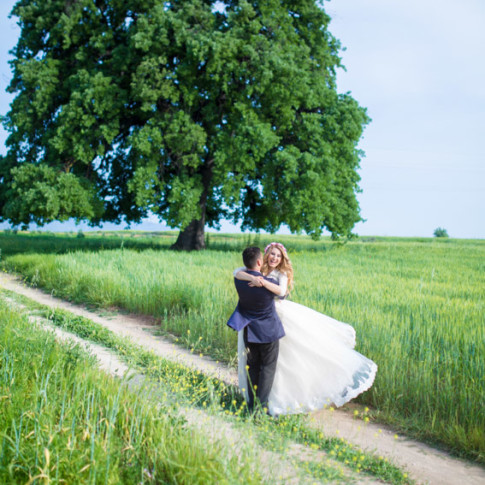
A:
x: 256, y: 314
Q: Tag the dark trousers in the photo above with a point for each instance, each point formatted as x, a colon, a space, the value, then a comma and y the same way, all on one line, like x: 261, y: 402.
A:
x: 261, y: 359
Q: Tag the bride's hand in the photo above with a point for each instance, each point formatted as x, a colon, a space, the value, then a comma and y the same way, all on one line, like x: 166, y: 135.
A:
x: 256, y: 281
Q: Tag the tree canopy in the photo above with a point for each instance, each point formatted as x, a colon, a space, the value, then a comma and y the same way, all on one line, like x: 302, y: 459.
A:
x: 194, y: 110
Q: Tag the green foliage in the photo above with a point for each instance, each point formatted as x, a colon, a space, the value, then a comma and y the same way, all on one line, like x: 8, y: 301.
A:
x: 41, y: 194
x: 440, y: 232
x: 189, y: 111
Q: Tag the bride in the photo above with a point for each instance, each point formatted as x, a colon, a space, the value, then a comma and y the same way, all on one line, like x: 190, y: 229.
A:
x: 317, y: 365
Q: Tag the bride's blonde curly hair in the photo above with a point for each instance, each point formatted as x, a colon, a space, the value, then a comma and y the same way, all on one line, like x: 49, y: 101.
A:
x: 285, y: 265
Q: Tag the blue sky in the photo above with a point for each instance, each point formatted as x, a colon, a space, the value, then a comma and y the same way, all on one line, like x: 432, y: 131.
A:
x: 419, y: 68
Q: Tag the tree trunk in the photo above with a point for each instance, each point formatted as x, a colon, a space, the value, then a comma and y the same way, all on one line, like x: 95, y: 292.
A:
x: 192, y: 237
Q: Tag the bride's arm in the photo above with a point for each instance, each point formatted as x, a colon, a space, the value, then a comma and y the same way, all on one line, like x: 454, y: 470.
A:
x: 240, y: 274
x: 280, y: 289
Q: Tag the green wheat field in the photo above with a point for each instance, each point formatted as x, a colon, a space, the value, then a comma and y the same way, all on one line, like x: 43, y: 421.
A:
x: 417, y: 306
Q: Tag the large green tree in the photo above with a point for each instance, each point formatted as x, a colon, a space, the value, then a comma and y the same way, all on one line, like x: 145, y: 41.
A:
x: 195, y: 110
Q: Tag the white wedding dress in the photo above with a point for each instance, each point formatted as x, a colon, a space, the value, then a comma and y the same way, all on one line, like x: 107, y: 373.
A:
x: 317, y: 363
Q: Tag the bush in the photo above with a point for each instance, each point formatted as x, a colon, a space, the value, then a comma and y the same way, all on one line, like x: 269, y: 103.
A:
x: 440, y: 232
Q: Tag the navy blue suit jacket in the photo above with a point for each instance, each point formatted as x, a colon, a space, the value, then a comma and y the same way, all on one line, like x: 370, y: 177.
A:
x: 256, y: 311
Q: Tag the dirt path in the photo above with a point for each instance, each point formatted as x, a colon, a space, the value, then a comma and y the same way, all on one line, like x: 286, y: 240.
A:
x: 268, y: 463
x: 425, y: 464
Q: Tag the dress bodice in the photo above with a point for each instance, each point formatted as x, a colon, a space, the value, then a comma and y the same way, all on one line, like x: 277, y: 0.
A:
x: 282, y: 280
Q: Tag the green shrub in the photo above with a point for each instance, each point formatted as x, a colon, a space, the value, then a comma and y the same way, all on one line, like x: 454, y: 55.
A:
x: 440, y: 232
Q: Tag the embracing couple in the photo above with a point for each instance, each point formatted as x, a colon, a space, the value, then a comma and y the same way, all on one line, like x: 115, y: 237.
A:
x: 291, y: 359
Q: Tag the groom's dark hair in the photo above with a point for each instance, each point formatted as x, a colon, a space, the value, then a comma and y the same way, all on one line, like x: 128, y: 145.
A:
x: 250, y: 256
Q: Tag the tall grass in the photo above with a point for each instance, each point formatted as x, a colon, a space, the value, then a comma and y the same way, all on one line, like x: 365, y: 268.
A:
x: 190, y: 389
x: 417, y: 307
x: 62, y: 421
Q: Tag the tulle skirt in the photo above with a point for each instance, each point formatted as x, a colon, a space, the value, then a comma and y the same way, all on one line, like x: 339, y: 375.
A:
x: 317, y: 363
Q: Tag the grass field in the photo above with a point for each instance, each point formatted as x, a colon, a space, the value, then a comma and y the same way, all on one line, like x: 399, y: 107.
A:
x: 120, y: 437
x: 417, y: 307
x: 63, y: 421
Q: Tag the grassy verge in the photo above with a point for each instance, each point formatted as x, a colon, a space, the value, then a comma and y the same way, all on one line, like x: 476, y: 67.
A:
x: 183, y: 386
x: 63, y: 421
